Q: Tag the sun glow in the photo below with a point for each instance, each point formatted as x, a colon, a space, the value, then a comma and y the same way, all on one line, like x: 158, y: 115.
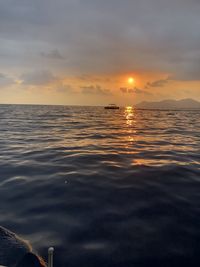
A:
x: 131, y: 80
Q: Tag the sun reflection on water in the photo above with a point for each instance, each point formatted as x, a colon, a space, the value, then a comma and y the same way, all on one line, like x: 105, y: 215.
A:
x: 129, y: 114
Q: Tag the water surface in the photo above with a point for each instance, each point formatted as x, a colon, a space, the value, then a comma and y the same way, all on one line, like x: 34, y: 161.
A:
x: 104, y: 187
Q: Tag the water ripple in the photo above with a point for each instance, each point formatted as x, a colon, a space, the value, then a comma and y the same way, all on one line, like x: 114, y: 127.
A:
x: 106, y: 188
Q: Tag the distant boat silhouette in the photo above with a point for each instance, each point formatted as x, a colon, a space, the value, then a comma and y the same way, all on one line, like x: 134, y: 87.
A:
x: 111, y: 106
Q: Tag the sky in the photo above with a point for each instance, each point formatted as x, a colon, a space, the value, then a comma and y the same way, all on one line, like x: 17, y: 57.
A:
x: 83, y: 52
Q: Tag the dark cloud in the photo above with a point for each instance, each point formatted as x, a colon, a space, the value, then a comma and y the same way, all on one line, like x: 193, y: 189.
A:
x: 5, y: 80
x: 98, y: 90
x: 42, y: 77
x: 158, y: 83
x: 141, y: 91
x: 134, y: 90
x: 53, y: 54
x: 123, y: 90
x: 130, y: 91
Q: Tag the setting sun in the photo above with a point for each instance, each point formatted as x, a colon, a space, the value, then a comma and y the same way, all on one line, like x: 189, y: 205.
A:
x: 131, y: 80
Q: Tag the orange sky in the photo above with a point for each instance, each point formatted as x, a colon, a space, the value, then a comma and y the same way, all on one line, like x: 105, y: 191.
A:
x: 100, y: 90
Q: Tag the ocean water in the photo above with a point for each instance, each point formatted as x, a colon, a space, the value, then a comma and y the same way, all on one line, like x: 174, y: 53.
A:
x: 106, y: 188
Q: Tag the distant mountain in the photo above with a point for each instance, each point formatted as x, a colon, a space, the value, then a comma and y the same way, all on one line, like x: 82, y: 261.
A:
x: 170, y: 104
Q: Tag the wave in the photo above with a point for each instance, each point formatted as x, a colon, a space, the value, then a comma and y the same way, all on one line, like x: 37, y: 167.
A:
x: 104, y: 188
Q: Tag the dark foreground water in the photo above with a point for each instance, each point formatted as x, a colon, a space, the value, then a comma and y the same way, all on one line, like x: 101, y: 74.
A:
x: 105, y: 187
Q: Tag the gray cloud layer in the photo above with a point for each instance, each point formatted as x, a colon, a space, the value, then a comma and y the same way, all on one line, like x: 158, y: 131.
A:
x: 53, y: 54
x: 5, y: 80
x: 42, y: 77
x: 102, y: 36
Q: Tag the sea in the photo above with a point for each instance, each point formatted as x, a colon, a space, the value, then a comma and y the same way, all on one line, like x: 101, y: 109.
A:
x: 105, y: 188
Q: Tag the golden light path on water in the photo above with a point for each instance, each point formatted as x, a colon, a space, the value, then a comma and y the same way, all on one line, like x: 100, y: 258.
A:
x: 134, y: 137
x: 130, y: 120
x: 129, y: 114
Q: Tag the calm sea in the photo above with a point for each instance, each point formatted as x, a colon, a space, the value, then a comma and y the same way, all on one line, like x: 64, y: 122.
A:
x: 106, y: 188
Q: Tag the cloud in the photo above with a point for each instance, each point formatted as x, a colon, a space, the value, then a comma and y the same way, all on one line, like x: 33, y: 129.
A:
x: 98, y: 90
x: 5, y: 80
x: 53, y: 54
x: 189, y: 72
x: 42, y: 77
x: 123, y: 90
x: 134, y: 90
x: 66, y: 89
x: 102, y: 37
x: 83, y: 77
x: 141, y: 91
x: 158, y: 83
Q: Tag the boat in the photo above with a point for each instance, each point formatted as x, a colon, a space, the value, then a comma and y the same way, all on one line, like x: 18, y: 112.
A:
x: 111, y: 106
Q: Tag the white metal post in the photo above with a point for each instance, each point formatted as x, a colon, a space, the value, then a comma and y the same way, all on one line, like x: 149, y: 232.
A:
x: 50, y: 256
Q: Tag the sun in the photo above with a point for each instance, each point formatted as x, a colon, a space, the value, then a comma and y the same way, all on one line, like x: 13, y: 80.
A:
x: 131, y: 80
